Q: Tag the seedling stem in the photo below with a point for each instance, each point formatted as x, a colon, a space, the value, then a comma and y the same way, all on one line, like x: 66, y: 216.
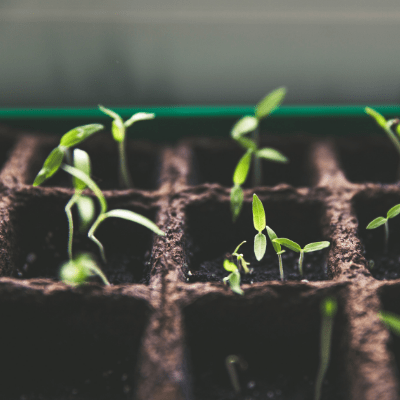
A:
x: 230, y: 362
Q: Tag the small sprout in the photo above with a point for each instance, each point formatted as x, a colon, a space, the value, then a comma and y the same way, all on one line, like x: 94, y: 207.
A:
x: 104, y: 214
x: 77, y: 271
x: 278, y: 250
x: 233, y: 278
x: 392, y: 321
x: 241, y: 262
x: 260, y: 241
x: 393, y: 212
x: 118, y: 129
x: 56, y: 157
x: 230, y: 362
x: 328, y: 311
x: 246, y: 125
x: 308, y: 248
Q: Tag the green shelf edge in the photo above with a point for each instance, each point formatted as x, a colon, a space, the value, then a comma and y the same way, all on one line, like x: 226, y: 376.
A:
x: 197, y: 111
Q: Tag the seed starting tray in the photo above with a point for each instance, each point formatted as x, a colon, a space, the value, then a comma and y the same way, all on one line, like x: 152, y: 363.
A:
x: 159, y: 334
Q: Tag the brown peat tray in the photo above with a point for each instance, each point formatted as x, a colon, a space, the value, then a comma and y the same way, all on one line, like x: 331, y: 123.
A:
x: 163, y: 329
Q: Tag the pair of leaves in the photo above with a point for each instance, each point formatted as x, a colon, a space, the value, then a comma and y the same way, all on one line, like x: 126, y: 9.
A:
x: 233, y: 278
x: 55, y: 158
x: 308, y: 248
x: 393, y: 212
x: 260, y: 241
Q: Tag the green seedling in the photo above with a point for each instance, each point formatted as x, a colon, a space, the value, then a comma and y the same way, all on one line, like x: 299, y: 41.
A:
x: 260, y: 241
x: 233, y: 278
x: 391, y: 320
x: 246, y: 125
x: 57, y: 155
x: 230, y: 362
x: 393, y: 212
x: 240, y: 261
x: 104, y: 214
x: 77, y: 271
x: 278, y: 250
x: 328, y: 311
x: 308, y: 248
x: 118, y: 129
x: 84, y: 204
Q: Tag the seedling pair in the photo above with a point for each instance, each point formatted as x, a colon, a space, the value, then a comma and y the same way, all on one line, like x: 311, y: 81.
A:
x: 246, y: 125
x: 393, y: 212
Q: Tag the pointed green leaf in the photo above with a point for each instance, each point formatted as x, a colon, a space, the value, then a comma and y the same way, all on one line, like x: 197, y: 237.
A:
x: 236, y: 201
x: 50, y: 166
x: 247, y: 143
x: 258, y: 214
x: 329, y: 307
x: 81, y: 162
x: 391, y: 320
x: 394, y: 211
x: 376, y: 222
x: 242, y: 169
x: 260, y: 245
x: 271, y: 154
x: 86, y: 211
x: 289, y: 244
x: 270, y: 102
x: 79, y: 134
x: 380, y: 119
x: 315, y: 246
x: 244, y: 125
x: 272, y: 236
x: 109, y: 112
x: 230, y: 266
x: 134, y: 217
x: 237, y: 248
x: 140, y: 116
x: 234, y: 282
x: 118, y: 130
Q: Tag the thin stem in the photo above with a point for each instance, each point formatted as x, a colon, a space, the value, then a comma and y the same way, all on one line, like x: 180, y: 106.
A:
x: 391, y: 135
x: 68, y: 207
x: 281, y: 267
x: 301, y: 262
x: 125, y: 179
x: 229, y: 363
x: 257, y: 171
x: 99, y: 272
x: 386, y: 236
x: 91, y: 236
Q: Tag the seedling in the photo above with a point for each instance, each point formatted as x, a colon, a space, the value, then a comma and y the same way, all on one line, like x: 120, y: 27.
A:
x: 118, y: 129
x: 233, y: 278
x: 278, y: 249
x: 77, y: 271
x: 393, y: 212
x: 392, y: 321
x: 104, y: 214
x: 328, y: 311
x: 246, y: 125
x: 260, y: 241
x: 56, y: 157
x: 230, y: 362
x: 308, y: 248
x: 240, y: 261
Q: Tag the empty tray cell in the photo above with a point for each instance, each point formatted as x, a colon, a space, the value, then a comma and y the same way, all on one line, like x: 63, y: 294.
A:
x: 277, y: 334
x: 143, y: 163
x: 68, y: 345
x: 211, y: 236
x: 385, y: 264
x: 41, y: 237
x: 215, y: 162
x: 369, y: 160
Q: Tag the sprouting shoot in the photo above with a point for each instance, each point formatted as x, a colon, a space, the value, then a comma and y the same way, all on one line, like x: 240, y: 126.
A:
x: 230, y: 362
x: 278, y: 249
x: 260, y: 241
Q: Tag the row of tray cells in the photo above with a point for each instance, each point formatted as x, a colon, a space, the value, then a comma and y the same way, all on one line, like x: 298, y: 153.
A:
x: 370, y: 160
x: 63, y: 347
x: 39, y: 233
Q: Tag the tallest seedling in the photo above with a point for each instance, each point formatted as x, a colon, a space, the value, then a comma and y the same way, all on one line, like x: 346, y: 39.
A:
x: 118, y: 129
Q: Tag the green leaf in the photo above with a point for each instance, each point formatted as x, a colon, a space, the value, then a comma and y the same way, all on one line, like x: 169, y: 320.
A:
x: 86, y: 211
x: 247, y: 143
x: 329, y: 307
x: 380, y: 119
x: 242, y: 169
x: 258, y: 214
x: 244, y: 125
x: 89, y: 182
x: 109, y: 112
x: 271, y: 154
x: 315, y: 246
x: 230, y: 266
x: 237, y: 248
x: 393, y: 212
x: 236, y: 201
x: 134, y: 217
x: 79, y: 134
x: 140, y: 116
x: 81, y: 162
x: 270, y: 102
x: 272, y: 236
x: 50, y: 166
x: 376, y: 222
x: 73, y: 274
x: 260, y: 245
x: 234, y: 282
x: 391, y: 320
x: 289, y: 244
x: 118, y: 130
